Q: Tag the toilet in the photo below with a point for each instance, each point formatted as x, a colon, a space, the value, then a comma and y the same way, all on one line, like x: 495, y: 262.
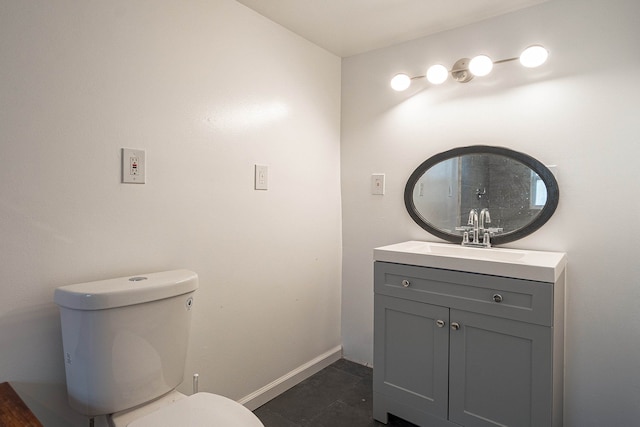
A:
x: 125, y: 346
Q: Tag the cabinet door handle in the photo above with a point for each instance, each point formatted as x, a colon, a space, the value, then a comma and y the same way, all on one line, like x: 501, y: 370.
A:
x: 406, y: 283
x: 455, y: 326
x: 440, y: 323
x: 497, y: 297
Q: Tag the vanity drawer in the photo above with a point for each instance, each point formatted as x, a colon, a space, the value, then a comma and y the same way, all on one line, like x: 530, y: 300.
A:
x: 517, y: 299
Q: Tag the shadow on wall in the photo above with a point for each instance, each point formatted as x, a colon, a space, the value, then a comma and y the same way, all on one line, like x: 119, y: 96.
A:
x: 31, y: 360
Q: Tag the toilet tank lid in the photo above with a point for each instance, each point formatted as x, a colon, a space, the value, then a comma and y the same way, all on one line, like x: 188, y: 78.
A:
x: 128, y: 290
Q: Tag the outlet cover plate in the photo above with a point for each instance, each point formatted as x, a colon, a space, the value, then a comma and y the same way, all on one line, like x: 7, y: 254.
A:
x: 133, y: 166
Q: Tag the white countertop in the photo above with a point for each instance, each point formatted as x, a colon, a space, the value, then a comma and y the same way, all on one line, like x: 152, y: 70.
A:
x: 517, y: 263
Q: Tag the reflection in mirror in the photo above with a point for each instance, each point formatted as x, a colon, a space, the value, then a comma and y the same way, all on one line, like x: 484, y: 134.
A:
x: 520, y: 193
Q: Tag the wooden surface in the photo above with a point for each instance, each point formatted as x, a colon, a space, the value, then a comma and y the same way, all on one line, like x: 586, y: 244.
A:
x: 13, y: 411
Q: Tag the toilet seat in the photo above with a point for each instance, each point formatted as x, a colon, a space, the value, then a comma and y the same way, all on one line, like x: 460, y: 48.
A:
x: 200, y: 410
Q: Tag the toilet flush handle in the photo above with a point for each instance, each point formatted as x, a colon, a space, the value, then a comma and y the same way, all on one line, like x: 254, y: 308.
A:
x: 195, y: 383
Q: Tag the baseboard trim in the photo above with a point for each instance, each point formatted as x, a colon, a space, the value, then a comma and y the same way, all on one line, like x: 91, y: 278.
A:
x: 285, y: 382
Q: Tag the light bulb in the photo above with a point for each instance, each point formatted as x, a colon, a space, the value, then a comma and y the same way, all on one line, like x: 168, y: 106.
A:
x: 437, y: 74
x: 534, y: 56
x: 400, y: 82
x: 481, y: 65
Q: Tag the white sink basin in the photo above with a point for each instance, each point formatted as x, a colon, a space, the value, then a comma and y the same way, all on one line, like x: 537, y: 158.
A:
x: 520, y: 264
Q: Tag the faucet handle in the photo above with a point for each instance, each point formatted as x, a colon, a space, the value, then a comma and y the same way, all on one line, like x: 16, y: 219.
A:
x: 486, y: 242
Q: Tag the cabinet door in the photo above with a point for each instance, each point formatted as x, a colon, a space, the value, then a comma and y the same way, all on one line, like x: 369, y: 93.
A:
x: 500, y: 372
x: 411, y: 353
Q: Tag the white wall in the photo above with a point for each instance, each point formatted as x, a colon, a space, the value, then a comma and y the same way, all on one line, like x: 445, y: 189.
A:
x: 207, y: 88
x: 580, y: 112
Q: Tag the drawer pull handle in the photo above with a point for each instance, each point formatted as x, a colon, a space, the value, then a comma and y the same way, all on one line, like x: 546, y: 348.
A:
x: 440, y: 323
x: 455, y: 326
x: 497, y: 297
x: 406, y: 283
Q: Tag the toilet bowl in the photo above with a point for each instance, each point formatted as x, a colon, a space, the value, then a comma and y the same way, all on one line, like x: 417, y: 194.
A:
x: 177, y: 410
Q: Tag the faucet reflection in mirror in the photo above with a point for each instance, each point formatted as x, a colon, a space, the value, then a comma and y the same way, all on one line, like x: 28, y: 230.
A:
x: 476, y: 228
x: 465, y: 69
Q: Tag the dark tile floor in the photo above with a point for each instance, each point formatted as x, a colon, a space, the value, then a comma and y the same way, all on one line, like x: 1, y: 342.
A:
x: 338, y: 396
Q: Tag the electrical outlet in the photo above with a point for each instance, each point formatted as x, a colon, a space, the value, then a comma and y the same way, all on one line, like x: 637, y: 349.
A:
x: 133, y: 166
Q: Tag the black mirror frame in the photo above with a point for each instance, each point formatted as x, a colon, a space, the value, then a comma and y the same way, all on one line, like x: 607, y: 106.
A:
x: 553, y: 192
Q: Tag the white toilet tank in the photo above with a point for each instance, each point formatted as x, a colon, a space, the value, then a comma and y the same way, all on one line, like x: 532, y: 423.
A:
x: 125, y: 340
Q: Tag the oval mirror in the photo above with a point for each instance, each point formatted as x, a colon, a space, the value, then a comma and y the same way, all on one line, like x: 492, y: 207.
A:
x: 519, y: 192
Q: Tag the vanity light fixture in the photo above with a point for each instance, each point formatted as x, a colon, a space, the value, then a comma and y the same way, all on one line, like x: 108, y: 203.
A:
x: 466, y: 69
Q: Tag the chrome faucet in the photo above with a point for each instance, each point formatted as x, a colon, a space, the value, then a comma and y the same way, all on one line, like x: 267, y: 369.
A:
x: 473, y: 221
x: 476, y: 233
x: 485, y: 218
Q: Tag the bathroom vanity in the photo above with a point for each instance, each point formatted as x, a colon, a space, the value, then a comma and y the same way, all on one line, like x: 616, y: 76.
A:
x: 468, y: 336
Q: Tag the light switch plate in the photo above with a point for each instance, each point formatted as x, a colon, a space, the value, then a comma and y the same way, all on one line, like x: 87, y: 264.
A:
x: 377, y: 184
x: 133, y: 166
x: 261, y: 177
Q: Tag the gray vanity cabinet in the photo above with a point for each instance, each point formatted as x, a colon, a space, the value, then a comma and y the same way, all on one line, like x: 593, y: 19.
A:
x: 463, y: 349
x: 414, y: 353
